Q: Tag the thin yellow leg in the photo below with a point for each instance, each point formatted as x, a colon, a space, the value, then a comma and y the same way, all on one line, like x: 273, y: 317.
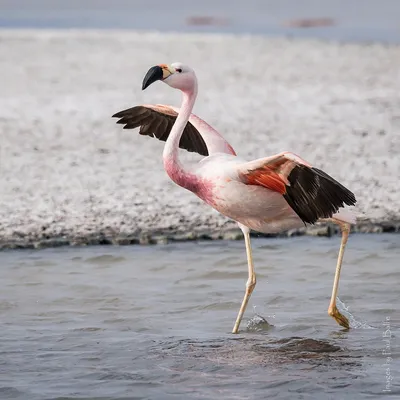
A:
x: 332, y: 310
x: 251, y: 282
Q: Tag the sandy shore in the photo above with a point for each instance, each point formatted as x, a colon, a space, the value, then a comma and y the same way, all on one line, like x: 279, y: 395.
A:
x: 69, y: 174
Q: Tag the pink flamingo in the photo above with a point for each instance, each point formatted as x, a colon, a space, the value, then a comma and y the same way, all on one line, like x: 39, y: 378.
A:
x: 267, y: 195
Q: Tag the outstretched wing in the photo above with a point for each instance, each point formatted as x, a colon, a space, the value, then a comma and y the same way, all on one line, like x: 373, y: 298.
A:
x: 157, y: 121
x: 310, y: 192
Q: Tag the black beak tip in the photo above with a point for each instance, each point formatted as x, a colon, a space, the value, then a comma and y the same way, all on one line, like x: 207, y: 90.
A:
x: 153, y: 74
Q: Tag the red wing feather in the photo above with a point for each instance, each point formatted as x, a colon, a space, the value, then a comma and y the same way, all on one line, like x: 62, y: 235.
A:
x: 272, y: 176
x: 268, y: 178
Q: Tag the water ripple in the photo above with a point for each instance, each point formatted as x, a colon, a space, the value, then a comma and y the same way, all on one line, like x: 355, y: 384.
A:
x: 157, y: 322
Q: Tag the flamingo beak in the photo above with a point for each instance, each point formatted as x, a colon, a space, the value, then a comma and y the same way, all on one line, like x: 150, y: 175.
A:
x: 156, y: 73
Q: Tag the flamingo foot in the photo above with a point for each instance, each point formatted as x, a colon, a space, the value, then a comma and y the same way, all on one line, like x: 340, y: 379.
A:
x: 339, y: 317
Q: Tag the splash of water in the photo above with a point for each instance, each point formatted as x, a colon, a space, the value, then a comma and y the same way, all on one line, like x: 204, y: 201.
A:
x: 355, y: 324
x: 258, y: 323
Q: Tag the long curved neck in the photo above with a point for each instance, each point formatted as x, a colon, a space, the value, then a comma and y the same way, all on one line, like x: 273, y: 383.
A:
x: 172, y: 165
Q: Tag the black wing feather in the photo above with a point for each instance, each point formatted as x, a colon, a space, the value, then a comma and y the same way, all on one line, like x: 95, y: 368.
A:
x: 313, y: 194
x: 158, y: 124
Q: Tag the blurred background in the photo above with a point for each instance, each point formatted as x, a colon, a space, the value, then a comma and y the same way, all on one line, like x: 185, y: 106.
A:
x: 362, y: 20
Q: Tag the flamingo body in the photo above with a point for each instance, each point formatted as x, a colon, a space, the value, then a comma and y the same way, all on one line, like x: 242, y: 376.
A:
x: 268, y: 195
x: 220, y: 186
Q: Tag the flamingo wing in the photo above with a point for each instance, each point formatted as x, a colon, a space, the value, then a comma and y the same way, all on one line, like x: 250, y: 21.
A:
x: 157, y: 121
x: 310, y: 192
x: 214, y: 140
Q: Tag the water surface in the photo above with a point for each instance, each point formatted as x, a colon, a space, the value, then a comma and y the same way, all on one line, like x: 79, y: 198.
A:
x: 349, y: 20
x: 154, y: 322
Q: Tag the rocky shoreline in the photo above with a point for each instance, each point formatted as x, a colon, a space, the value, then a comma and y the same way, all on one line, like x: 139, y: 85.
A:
x: 32, y: 241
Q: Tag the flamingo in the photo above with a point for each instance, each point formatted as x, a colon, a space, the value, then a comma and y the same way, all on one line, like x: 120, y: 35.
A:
x: 268, y: 195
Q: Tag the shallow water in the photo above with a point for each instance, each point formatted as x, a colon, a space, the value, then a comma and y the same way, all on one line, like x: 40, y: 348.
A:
x: 356, y: 20
x: 154, y: 322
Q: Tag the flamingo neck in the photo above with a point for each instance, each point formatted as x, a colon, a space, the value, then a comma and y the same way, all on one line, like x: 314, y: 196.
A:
x: 172, y: 165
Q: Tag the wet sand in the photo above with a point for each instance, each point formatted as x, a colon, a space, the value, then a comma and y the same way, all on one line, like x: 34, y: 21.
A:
x: 154, y: 323
x: 70, y: 175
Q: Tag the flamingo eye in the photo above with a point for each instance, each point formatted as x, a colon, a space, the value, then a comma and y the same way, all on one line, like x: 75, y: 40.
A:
x: 179, y: 70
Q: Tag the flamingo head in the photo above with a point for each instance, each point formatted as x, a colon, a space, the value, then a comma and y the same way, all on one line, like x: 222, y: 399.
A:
x: 176, y: 75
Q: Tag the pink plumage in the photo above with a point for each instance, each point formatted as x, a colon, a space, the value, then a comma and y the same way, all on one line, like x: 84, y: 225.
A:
x: 271, y: 194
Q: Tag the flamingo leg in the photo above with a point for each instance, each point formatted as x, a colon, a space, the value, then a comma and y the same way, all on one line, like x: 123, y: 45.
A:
x: 332, y: 309
x: 251, y: 282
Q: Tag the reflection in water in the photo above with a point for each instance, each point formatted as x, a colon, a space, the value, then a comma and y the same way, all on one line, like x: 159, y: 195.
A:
x: 291, y: 364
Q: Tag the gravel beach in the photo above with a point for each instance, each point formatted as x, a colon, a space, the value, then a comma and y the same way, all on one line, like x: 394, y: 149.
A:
x: 70, y: 175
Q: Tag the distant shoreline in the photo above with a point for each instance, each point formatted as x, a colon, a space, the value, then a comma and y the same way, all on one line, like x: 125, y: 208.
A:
x: 358, y: 21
